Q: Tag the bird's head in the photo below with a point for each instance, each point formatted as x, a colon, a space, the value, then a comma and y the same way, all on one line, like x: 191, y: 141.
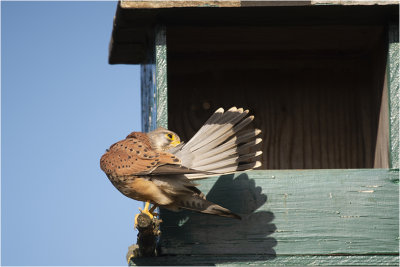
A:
x: 163, y: 139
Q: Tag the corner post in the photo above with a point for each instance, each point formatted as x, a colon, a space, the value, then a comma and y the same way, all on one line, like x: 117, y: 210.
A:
x: 393, y: 92
x: 154, y: 90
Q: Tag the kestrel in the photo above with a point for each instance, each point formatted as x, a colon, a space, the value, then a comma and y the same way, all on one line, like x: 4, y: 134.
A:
x: 157, y: 168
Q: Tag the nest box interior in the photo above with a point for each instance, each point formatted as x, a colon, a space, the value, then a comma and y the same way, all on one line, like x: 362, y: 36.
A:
x: 315, y: 90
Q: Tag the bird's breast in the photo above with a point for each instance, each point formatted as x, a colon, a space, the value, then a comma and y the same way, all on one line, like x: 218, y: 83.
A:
x: 128, y: 185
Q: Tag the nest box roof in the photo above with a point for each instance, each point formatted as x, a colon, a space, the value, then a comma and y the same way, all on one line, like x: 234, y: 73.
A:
x: 134, y: 21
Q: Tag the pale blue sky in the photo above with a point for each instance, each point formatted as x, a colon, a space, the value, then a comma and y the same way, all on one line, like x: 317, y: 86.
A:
x: 62, y: 105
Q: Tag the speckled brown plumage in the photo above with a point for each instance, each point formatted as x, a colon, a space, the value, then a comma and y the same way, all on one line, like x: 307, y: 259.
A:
x: 134, y: 156
x: 157, y: 168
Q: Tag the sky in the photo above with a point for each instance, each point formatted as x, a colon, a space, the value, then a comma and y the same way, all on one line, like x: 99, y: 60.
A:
x: 62, y: 105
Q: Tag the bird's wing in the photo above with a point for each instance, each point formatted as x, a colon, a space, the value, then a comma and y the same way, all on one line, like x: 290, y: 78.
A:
x: 184, y: 195
x: 226, y: 143
x: 132, y: 156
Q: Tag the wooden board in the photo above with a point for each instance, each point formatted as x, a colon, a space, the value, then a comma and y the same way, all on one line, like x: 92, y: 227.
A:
x: 154, y: 83
x: 161, y: 76
x: 382, y: 153
x: 257, y: 260
x: 155, y: 4
x: 130, y: 38
x: 178, y: 3
x: 311, y: 212
x: 148, y: 99
x: 394, y: 93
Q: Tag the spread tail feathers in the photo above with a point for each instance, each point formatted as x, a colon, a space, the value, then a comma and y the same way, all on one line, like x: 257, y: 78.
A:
x: 225, y: 144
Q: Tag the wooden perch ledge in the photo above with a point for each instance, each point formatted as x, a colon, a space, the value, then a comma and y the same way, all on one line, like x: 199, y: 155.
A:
x: 146, y: 245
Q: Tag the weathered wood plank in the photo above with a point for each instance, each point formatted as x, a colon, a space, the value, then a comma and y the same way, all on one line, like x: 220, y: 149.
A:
x: 292, y: 212
x: 129, y: 39
x: 161, y: 76
x: 178, y: 3
x: 245, y: 260
x: 394, y: 93
x: 148, y: 89
x: 155, y: 4
x: 148, y: 97
x: 382, y: 153
x: 154, y: 83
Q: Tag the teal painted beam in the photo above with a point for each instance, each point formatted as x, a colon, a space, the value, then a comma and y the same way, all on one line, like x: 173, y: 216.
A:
x: 154, y: 83
x: 161, y: 76
x: 148, y: 91
x: 148, y: 97
x: 394, y: 95
x: 240, y: 260
x: 288, y: 212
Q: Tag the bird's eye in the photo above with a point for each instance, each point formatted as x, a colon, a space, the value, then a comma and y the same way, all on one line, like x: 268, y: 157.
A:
x: 169, y: 136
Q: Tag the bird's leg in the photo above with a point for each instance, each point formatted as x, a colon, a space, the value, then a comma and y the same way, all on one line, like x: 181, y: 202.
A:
x: 152, y: 210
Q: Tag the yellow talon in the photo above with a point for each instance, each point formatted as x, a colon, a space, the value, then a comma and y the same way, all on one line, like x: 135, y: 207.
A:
x: 146, y: 210
x: 130, y: 257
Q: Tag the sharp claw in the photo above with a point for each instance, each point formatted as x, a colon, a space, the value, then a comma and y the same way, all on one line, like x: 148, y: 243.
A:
x: 136, y: 223
x: 146, y: 210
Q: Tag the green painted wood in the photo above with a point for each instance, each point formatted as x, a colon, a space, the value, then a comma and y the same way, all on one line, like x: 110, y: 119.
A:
x: 292, y: 212
x: 154, y: 83
x: 147, y: 97
x: 148, y: 91
x: 239, y: 260
x: 394, y: 95
x: 161, y: 76
x: 289, y: 217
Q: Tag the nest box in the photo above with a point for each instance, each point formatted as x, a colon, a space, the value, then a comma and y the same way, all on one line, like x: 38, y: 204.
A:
x: 322, y: 79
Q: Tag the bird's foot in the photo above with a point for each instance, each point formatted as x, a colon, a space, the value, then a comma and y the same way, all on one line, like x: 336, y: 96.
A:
x: 133, y: 252
x: 146, y: 211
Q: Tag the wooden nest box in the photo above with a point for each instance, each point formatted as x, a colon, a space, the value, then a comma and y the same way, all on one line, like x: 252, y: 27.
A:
x: 322, y: 79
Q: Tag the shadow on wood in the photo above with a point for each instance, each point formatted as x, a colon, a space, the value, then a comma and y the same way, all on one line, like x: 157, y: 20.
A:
x: 190, y: 233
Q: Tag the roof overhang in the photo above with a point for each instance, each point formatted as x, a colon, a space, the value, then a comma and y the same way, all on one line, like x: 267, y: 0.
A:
x: 134, y: 21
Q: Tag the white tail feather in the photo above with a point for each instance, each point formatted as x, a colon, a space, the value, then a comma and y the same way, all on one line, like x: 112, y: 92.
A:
x: 222, y: 145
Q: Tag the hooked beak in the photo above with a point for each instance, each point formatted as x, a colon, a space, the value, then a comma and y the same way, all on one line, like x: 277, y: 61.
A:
x: 175, y: 143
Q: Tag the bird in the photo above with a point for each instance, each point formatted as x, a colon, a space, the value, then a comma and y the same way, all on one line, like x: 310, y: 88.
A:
x: 158, y: 168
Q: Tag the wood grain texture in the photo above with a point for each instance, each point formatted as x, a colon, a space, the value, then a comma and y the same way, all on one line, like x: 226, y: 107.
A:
x: 154, y: 83
x: 178, y: 3
x: 394, y: 93
x: 161, y: 76
x: 257, y: 260
x: 156, y: 4
x: 382, y: 153
x: 315, y: 91
x: 315, y: 212
x: 148, y: 89
x: 148, y: 99
x: 129, y: 43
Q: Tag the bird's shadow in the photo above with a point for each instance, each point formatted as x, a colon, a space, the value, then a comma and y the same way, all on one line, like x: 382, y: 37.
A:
x: 192, y: 233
